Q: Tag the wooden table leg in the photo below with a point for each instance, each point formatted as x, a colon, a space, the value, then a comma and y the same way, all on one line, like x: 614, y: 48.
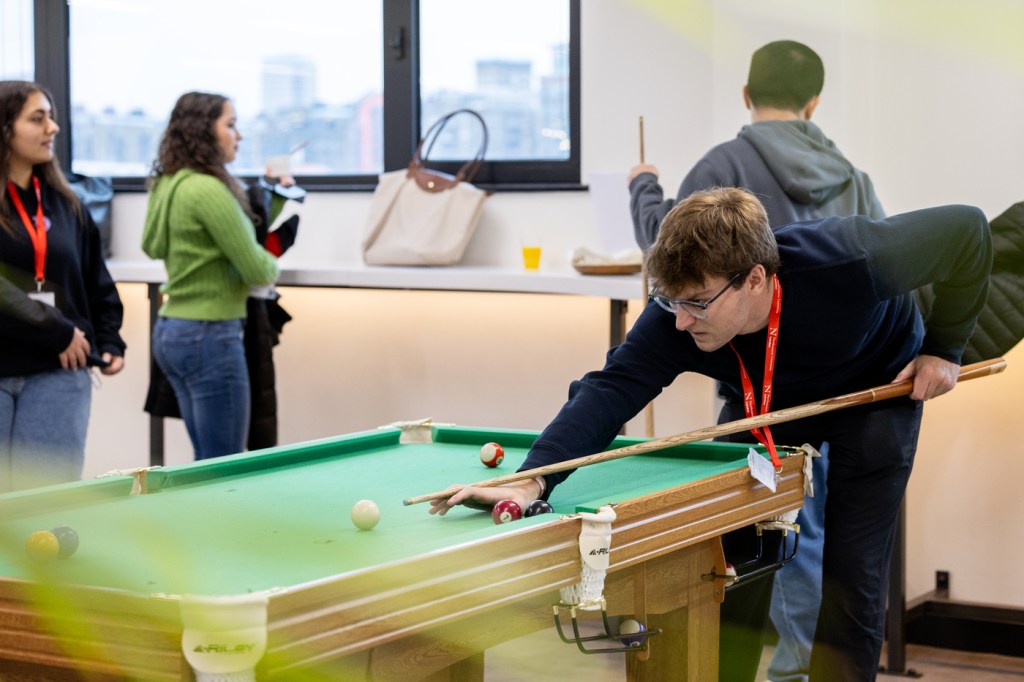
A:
x: 687, y: 648
x: 467, y: 670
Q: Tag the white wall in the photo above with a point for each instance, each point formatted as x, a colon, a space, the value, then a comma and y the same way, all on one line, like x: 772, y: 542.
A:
x: 925, y: 95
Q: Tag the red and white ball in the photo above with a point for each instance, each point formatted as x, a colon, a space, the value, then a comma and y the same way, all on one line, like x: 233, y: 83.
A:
x: 492, y: 454
x: 506, y: 511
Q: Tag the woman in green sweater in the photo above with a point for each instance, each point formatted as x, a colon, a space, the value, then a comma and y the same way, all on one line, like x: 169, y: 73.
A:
x: 198, y: 223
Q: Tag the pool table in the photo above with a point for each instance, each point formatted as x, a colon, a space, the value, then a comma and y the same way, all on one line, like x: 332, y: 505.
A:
x: 418, y: 597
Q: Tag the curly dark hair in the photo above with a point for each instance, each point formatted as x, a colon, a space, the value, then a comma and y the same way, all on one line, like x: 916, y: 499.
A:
x: 13, y: 96
x: 190, y: 142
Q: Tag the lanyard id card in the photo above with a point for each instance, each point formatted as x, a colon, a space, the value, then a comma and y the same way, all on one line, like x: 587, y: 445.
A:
x: 46, y: 297
x: 37, y: 234
x: 769, y: 475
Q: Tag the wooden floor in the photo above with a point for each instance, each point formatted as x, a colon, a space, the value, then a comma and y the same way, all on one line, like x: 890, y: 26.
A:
x: 946, y: 665
x: 542, y: 656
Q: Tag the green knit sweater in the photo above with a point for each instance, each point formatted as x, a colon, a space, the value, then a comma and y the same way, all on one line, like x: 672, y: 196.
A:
x: 208, y: 245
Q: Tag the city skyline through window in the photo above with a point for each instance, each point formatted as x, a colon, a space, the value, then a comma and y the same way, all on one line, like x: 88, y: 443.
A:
x: 317, y: 82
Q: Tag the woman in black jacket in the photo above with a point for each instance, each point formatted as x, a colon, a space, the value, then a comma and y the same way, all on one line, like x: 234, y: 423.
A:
x: 50, y: 251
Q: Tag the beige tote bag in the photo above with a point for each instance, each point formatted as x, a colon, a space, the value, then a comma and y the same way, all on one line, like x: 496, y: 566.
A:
x: 420, y: 216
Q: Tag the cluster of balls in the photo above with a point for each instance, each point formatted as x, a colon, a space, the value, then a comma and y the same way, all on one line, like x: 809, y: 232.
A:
x: 47, y: 545
x: 505, y: 511
x: 366, y: 513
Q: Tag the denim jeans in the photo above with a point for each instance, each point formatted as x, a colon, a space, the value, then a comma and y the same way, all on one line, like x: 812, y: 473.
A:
x: 796, y: 597
x: 205, y: 363
x: 43, y: 421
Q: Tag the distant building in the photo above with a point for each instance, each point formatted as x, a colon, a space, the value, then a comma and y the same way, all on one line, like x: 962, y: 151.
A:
x: 503, y: 75
x: 113, y: 144
x: 523, y: 121
x: 289, y: 82
x: 527, y: 118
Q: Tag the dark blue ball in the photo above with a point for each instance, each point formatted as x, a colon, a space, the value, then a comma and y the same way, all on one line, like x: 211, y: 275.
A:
x: 631, y: 633
x: 67, y: 539
x: 538, y: 507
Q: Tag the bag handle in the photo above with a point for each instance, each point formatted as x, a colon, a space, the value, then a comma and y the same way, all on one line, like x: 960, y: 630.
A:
x: 470, y: 168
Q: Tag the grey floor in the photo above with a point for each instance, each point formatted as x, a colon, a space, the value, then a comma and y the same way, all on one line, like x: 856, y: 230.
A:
x: 542, y: 656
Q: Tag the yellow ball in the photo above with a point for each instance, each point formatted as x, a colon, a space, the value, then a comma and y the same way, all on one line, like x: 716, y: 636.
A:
x: 43, y: 546
x: 365, y: 514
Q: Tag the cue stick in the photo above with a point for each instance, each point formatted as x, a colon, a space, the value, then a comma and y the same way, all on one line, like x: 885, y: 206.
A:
x: 641, y: 139
x: 649, y: 408
x: 870, y: 395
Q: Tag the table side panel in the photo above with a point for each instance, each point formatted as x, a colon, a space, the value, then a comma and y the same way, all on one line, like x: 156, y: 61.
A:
x: 354, y: 612
x: 670, y: 583
x: 101, y: 632
x: 659, y: 523
x: 380, y: 607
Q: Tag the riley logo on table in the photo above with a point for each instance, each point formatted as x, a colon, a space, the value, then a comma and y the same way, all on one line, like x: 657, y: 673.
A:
x: 224, y: 648
x: 599, y: 551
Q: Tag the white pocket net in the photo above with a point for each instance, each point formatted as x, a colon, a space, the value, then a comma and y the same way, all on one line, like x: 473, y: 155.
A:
x: 595, y: 544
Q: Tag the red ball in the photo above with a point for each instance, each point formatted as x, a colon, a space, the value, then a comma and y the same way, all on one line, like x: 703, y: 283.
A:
x: 492, y: 454
x: 506, y: 511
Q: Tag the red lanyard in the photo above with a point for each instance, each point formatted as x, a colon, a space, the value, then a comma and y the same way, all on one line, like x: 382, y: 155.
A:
x: 36, y: 234
x: 763, y: 434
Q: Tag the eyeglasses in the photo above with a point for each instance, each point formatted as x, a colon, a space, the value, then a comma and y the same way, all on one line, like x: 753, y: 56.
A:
x: 698, y: 309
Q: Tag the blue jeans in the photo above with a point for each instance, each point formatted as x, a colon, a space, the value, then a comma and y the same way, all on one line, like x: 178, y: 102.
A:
x: 43, y: 421
x: 205, y: 363
x: 796, y: 597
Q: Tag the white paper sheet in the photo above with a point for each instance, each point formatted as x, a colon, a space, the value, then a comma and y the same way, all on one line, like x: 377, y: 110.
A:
x: 610, y: 195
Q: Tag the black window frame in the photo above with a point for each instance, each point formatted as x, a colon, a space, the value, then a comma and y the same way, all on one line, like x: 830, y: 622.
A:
x: 401, y: 105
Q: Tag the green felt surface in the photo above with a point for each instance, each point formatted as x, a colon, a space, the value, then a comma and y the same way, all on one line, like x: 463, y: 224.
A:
x: 280, y: 517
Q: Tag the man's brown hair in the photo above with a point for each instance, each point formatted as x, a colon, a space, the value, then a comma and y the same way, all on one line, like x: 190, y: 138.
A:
x: 716, y: 232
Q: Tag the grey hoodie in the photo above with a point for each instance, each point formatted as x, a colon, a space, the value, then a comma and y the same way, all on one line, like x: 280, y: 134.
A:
x: 795, y: 170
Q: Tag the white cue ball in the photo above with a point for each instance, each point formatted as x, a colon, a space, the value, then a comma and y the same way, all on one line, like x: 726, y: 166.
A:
x: 365, y: 514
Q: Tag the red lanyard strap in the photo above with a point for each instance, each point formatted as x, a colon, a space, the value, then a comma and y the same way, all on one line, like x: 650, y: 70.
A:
x: 763, y: 434
x: 38, y: 233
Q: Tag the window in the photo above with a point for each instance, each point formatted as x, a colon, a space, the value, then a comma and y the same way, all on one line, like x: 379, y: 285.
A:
x: 517, y: 64
x: 512, y: 68
x: 297, y: 84
x: 16, y: 60
x: 349, y: 85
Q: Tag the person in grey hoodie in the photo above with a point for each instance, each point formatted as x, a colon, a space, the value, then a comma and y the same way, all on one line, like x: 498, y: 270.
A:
x: 798, y: 174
